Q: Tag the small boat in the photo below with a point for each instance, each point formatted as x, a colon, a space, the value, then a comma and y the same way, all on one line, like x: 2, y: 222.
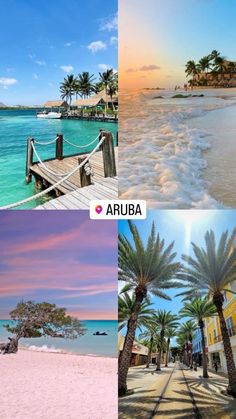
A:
x: 100, y: 334
x: 49, y: 115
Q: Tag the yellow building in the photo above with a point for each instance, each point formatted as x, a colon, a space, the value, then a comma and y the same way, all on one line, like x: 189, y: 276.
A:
x: 214, y: 338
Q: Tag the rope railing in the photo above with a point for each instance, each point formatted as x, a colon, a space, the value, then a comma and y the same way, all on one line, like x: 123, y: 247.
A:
x: 81, y: 146
x: 66, y: 141
x: 46, y: 191
x: 44, y: 165
x: 46, y: 142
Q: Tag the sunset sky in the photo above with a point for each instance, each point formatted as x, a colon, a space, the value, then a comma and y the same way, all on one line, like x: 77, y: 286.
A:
x: 60, y: 257
x: 157, y: 38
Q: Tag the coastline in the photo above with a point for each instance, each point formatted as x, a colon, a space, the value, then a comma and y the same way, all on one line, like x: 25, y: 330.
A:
x: 64, y: 386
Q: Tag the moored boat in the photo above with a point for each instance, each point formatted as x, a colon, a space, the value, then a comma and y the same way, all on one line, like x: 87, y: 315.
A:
x: 49, y: 115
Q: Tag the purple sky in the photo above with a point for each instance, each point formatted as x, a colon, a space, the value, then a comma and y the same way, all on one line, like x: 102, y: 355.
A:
x: 61, y: 257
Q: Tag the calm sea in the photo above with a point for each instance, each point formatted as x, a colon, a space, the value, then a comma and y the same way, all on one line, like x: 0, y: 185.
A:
x: 85, y: 345
x: 15, y: 127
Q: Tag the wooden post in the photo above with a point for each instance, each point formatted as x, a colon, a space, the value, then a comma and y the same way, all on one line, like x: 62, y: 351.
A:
x: 29, y: 160
x: 85, y: 180
x: 59, y: 147
x: 108, y: 151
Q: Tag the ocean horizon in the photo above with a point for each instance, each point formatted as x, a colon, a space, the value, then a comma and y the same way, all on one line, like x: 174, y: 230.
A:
x: 103, y: 346
x: 18, y: 125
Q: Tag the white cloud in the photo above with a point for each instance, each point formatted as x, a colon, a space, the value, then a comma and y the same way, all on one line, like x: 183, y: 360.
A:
x: 67, y: 68
x: 104, y: 67
x: 35, y: 76
x: 113, y: 40
x: 96, y: 46
x: 109, y: 24
x: 31, y: 56
x: 5, y: 87
x: 4, y: 81
x: 40, y: 62
x: 68, y: 44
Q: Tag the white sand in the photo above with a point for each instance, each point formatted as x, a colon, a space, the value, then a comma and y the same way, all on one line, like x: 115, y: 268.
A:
x: 57, y: 386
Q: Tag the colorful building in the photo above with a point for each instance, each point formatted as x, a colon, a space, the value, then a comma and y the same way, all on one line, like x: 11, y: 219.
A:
x: 139, y: 352
x: 214, y: 338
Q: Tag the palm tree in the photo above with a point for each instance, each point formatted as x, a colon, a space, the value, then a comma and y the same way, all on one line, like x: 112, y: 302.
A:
x: 219, y: 64
x: 205, y: 64
x: 185, y: 337
x: 112, y: 89
x: 67, y: 88
x: 150, y: 334
x: 191, y: 68
x: 199, y: 309
x: 126, y: 308
x: 209, y: 272
x: 164, y: 319
x: 85, y: 84
x: 214, y: 54
x: 106, y: 78
x: 146, y: 268
x: 170, y: 333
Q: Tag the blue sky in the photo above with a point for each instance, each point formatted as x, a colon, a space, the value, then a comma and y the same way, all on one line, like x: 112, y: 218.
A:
x: 169, y: 33
x: 182, y: 227
x: 43, y: 41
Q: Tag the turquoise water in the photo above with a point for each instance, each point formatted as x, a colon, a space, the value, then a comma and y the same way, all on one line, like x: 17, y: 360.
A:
x: 18, y: 125
x: 85, y: 345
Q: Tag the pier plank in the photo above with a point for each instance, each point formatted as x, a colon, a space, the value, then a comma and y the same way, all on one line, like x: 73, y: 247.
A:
x: 80, y: 198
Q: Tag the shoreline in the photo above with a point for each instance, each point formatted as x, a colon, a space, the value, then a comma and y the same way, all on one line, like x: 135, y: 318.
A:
x: 61, y: 352
x: 63, y: 386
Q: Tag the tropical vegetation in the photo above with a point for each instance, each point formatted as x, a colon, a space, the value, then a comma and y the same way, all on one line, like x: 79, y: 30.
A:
x: 209, y: 272
x: 147, y: 269
x: 213, y: 69
x: 84, y: 85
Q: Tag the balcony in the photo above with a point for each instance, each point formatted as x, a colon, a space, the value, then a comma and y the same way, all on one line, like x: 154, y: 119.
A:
x: 231, y: 331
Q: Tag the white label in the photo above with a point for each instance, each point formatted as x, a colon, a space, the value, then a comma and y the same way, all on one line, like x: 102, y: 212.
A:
x: 118, y: 210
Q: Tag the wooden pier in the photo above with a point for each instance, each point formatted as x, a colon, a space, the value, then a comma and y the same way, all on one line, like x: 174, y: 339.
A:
x: 96, y: 179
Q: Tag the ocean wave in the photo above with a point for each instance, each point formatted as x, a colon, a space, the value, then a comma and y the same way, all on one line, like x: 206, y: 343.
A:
x: 44, y: 348
x: 160, y: 152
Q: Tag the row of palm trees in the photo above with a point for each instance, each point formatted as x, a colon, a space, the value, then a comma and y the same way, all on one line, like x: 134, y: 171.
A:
x: 85, y: 84
x: 214, y: 63
x: 150, y: 270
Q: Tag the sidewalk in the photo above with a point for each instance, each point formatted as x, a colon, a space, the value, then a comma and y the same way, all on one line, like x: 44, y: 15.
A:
x: 147, y: 385
x: 210, y: 395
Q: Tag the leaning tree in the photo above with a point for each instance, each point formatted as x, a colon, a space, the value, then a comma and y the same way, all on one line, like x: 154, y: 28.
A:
x: 34, y: 320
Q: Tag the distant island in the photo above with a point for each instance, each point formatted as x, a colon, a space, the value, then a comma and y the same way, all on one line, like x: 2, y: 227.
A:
x: 212, y: 70
x: 14, y: 107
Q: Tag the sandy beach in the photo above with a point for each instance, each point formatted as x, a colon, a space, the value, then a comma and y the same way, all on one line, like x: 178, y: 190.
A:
x: 57, y: 386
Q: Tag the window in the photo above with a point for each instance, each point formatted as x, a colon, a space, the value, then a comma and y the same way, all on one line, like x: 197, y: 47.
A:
x: 233, y: 286
x: 230, y: 326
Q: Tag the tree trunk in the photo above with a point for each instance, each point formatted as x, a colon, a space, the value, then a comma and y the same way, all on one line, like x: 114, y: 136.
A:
x: 125, y: 357
x: 158, y: 360
x: 204, y: 357
x: 149, y: 352
x: 218, y: 301
x: 167, y: 352
x: 9, y: 347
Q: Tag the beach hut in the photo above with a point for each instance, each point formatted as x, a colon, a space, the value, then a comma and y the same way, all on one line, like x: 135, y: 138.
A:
x: 91, y: 102
x: 59, y: 105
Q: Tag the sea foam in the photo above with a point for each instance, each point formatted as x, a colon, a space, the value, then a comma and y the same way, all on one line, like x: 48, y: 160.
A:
x: 161, y: 158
